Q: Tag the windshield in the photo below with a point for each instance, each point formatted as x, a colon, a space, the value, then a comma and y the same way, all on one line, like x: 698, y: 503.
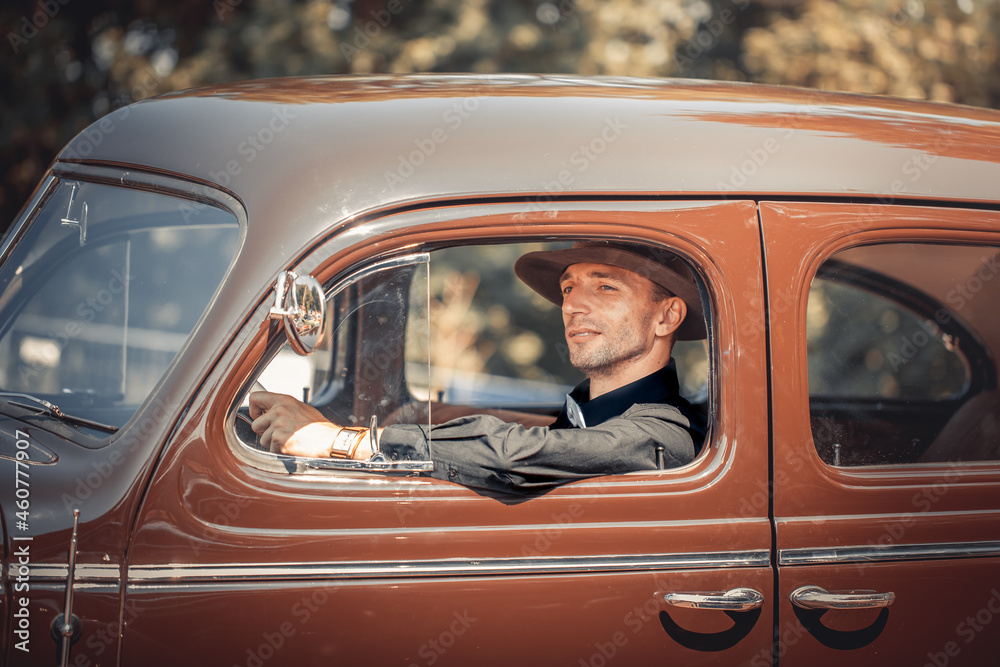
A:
x: 102, y: 290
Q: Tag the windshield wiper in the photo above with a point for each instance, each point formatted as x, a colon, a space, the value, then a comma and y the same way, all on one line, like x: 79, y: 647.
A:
x: 44, y: 407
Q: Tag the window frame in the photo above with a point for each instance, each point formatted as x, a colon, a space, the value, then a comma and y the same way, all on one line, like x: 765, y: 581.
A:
x: 981, y: 372
x: 195, y: 194
x: 336, y: 257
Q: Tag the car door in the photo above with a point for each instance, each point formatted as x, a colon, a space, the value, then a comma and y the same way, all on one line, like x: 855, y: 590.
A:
x: 886, y: 472
x: 242, y: 557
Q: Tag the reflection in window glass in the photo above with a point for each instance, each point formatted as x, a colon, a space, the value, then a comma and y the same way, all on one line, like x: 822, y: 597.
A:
x: 372, y: 357
x: 902, y: 341
x: 495, y: 343
x: 865, y: 345
x: 103, y: 290
x: 413, y: 341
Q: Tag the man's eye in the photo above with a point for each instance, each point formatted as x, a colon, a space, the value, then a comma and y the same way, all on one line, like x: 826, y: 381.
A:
x: 566, y: 289
x: 610, y: 288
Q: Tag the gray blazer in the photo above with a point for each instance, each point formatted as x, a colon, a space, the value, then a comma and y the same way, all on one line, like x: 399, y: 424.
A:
x: 483, y: 451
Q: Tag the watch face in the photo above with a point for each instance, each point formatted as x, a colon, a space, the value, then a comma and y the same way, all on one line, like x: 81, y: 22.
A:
x: 341, y: 443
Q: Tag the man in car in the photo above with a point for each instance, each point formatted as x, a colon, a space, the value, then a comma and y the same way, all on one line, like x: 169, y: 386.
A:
x: 623, y: 307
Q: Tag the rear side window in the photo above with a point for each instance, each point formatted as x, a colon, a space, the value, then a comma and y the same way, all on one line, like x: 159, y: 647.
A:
x: 866, y: 342
x: 901, y: 341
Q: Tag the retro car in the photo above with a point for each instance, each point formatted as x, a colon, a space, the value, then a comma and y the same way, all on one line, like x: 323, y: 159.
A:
x: 349, y: 241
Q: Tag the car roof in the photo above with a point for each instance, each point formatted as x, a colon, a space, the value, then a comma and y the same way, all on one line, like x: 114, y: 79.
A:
x: 310, y: 151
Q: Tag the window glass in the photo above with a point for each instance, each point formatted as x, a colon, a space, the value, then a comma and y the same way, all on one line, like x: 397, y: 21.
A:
x: 867, y: 345
x: 900, y: 351
x: 372, y: 357
x: 496, y: 344
x: 428, y: 338
x: 101, y: 292
x: 433, y: 337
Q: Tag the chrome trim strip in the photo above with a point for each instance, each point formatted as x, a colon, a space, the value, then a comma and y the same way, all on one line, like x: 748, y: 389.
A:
x: 459, y: 567
x: 60, y: 587
x: 886, y: 553
x: 517, y: 529
x: 100, y: 573
x: 371, y: 464
x: 812, y: 519
x: 391, y: 263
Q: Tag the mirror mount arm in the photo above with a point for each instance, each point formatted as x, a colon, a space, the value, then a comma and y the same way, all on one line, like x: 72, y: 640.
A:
x: 278, y: 310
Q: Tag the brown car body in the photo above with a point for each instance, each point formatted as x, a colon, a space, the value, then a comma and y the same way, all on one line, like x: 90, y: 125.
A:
x: 187, y: 551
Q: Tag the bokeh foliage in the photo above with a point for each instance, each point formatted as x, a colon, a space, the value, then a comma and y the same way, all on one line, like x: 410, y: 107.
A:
x: 69, y: 62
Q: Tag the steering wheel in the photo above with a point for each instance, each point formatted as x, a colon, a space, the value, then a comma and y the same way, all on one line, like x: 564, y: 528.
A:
x: 243, y: 427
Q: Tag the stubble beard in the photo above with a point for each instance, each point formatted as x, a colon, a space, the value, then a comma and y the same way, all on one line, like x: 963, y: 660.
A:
x: 607, y: 358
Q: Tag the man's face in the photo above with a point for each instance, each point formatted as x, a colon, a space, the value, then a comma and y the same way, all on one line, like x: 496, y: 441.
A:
x: 608, y: 313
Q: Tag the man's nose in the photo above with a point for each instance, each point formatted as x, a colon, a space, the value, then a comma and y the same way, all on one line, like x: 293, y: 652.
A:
x: 574, y: 302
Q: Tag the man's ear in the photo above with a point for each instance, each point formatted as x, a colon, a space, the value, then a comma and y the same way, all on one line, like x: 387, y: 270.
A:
x: 671, y: 313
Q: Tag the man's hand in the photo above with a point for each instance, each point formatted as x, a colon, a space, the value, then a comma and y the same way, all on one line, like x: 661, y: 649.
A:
x: 288, y: 426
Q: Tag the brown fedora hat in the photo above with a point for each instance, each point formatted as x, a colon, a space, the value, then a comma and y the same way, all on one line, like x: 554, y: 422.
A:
x: 542, y: 270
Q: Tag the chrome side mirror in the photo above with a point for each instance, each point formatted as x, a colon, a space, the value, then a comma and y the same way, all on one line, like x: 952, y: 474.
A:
x: 299, y: 302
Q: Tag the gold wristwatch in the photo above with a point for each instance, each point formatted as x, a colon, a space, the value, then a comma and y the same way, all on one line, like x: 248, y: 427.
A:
x: 347, y: 441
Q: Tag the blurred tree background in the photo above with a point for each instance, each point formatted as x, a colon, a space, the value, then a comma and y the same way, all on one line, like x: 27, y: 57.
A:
x: 69, y: 62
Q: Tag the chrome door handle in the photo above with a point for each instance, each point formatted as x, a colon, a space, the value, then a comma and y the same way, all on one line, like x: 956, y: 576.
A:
x: 737, y: 599
x: 814, y: 597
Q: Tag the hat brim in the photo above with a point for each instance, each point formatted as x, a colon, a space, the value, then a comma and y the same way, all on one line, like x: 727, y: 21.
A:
x: 542, y: 270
